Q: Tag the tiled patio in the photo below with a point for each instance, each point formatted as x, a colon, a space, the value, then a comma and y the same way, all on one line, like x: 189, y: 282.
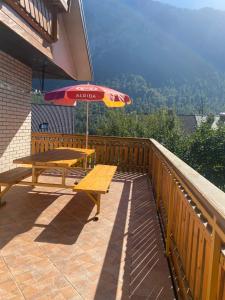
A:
x: 52, y: 249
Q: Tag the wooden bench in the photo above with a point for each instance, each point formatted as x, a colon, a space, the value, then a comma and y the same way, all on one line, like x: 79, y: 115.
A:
x: 96, y: 183
x: 11, y: 177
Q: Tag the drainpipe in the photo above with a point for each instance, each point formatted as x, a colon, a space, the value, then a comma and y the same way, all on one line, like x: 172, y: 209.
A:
x: 43, y: 79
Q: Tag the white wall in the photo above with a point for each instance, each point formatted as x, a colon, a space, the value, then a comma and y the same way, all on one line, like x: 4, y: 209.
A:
x: 15, y: 110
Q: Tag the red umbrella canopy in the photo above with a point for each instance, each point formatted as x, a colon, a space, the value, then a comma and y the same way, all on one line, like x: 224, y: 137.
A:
x: 87, y: 93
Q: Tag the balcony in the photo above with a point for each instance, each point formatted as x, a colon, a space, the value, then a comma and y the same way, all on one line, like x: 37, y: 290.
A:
x: 41, y: 15
x: 157, y: 205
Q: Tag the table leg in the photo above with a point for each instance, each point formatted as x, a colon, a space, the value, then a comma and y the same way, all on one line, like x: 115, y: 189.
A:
x: 93, y: 160
x: 2, y: 203
x: 96, y: 198
x: 85, y: 163
x: 64, y: 177
x: 34, y: 176
x: 2, y: 192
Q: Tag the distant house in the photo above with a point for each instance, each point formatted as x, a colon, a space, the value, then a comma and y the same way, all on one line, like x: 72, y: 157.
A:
x: 38, y: 39
x: 52, y: 118
x: 190, y: 123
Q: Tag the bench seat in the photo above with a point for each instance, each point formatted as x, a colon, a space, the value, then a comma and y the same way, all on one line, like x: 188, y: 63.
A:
x: 14, y: 176
x: 11, y: 177
x: 97, y: 182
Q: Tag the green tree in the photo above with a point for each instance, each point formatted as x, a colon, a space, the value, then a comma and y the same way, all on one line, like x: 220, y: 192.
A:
x: 205, y: 152
x: 163, y: 126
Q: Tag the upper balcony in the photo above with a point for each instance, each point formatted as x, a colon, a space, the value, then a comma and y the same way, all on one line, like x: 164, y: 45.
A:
x: 41, y: 15
x: 157, y: 205
x: 38, y: 33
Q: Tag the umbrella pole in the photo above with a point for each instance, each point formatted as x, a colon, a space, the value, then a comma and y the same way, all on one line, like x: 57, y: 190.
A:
x: 87, y: 125
x: 87, y: 129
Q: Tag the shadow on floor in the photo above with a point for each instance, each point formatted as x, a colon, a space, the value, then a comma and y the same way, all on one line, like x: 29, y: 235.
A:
x: 132, y: 264
x: 25, y: 205
x: 79, y: 173
x: 66, y: 227
x: 137, y: 232
x: 21, y: 211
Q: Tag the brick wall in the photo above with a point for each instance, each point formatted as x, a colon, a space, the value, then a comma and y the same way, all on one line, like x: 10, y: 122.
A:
x: 15, y: 110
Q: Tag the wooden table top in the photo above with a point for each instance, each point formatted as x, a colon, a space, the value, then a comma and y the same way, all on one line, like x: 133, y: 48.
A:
x: 60, y: 157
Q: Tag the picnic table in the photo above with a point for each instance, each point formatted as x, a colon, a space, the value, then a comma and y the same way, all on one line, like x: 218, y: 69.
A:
x: 63, y: 158
x: 94, y: 184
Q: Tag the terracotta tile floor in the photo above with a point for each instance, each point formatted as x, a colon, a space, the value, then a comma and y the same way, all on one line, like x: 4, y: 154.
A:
x: 50, y: 248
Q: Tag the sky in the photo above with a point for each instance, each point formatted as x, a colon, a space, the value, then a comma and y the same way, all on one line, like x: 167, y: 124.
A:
x: 195, y: 4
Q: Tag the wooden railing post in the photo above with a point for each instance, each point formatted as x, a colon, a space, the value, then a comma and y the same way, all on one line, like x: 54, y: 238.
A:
x: 170, y: 214
x: 150, y: 162
x: 159, y: 177
x: 214, y: 260
x: 32, y: 146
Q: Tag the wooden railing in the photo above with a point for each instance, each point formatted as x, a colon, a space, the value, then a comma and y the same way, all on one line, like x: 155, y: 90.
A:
x: 40, y: 14
x: 129, y: 154
x: 191, y: 209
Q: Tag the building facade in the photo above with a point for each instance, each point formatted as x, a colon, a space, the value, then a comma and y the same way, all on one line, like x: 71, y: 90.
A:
x: 53, y: 118
x: 45, y: 39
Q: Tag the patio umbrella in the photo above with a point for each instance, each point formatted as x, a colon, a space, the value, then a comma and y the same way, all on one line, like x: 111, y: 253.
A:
x: 87, y: 93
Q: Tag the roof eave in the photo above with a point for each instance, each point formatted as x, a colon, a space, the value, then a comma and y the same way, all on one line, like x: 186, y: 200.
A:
x: 71, y: 52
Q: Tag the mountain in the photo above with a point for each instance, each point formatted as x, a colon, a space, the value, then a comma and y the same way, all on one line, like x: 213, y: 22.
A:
x: 160, y: 42
x: 159, y: 54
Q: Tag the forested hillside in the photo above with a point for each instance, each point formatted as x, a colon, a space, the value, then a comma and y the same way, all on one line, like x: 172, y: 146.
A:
x: 179, y: 53
x: 162, y: 56
x: 155, y: 40
x: 199, y: 96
